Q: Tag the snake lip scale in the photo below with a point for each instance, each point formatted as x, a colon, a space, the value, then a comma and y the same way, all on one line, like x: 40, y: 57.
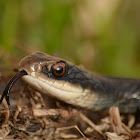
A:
x: 75, y: 85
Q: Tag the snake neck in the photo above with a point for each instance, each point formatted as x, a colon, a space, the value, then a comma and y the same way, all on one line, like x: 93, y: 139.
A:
x: 117, y: 85
x: 113, y: 91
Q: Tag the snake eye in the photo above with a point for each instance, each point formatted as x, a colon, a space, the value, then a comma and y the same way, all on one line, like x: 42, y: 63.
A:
x: 59, y: 69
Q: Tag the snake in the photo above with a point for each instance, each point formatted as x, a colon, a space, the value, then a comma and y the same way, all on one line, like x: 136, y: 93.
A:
x: 75, y: 85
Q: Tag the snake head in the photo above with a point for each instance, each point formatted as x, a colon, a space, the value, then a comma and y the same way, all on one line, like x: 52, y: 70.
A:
x: 58, y: 78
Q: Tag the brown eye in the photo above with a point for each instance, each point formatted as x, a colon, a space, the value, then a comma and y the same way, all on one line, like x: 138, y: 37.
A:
x: 58, y: 69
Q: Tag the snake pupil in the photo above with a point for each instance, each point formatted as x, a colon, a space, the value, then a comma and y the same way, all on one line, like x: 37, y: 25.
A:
x: 59, y: 69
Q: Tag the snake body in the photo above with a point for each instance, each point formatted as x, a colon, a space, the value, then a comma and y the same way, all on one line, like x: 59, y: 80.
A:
x: 79, y: 87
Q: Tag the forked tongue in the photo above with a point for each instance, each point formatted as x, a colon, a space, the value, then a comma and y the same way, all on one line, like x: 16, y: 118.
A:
x: 8, y: 88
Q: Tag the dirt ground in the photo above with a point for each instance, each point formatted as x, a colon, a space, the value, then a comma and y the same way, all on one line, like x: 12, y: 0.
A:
x: 38, y: 116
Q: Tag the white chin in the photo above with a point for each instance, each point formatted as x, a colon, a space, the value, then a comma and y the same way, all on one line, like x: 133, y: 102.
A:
x: 50, y: 87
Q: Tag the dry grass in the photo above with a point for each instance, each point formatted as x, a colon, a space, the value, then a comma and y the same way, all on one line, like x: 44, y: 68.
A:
x: 40, y: 117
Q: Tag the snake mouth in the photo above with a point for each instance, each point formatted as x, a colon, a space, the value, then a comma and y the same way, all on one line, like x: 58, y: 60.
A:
x: 63, y: 91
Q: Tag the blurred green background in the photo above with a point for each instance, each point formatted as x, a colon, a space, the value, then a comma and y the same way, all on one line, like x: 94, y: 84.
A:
x: 101, y: 35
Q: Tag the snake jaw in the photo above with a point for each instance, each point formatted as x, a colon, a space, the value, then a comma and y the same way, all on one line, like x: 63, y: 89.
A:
x: 77, y: 96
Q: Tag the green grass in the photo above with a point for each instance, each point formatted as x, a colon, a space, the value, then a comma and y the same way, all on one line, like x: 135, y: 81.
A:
x: 55, y: 27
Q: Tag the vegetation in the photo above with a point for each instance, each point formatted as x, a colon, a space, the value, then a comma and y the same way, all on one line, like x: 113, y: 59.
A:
x: 102, y: 36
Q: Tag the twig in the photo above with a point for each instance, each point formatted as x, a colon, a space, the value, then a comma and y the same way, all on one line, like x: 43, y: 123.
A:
x: 88, y: 121
x: 71, y: 127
